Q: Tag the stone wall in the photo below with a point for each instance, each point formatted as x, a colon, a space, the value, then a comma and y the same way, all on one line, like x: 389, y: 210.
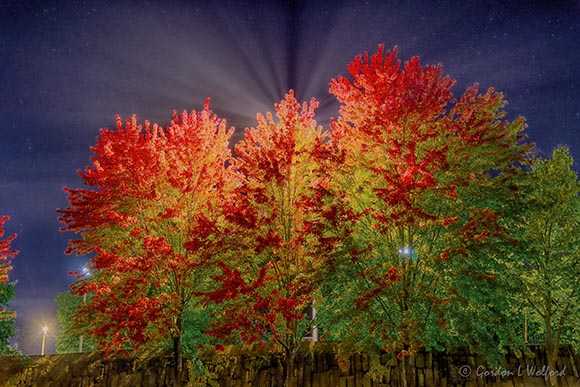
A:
x: 318, y: 365
x: 86, y: 370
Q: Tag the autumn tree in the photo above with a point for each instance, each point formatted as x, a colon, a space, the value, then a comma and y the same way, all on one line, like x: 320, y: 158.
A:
x: 152, y: 191
x: 546, y: 259
x: 270, y: 269
x: 7, y: 318
x: 414, y: 170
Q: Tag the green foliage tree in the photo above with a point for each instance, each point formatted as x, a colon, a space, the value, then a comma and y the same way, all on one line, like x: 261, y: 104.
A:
x: 546, y: 259
x: 7, y: 321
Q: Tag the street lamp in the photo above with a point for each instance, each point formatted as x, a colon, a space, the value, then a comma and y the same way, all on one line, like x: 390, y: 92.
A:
x: 44, y: 332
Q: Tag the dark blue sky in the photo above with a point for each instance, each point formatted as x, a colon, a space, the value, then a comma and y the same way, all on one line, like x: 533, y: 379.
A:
x: 66, y: 68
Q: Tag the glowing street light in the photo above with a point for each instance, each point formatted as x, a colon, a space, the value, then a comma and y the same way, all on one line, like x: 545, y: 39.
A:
x: 44, y: 332
x: 407, y: 253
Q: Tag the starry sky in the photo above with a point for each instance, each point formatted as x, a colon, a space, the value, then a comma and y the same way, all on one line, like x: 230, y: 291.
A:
x: 67, y: 67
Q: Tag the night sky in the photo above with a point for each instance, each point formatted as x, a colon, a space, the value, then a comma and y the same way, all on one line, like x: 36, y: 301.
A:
x: 66, y: 69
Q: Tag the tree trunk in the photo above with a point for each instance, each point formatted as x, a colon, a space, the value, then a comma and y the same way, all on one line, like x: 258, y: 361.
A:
x: 551, y: 347
x: 290, y: 348
x: 289, y: 380
x: 178, y: 354
x: 404, y: 371
x: 552, y: 371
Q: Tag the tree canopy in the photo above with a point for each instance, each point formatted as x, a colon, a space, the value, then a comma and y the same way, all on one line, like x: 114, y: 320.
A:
x: 547, y: 255
x: 417, y: 220
x: 154, y: 192
x: 417, y: 173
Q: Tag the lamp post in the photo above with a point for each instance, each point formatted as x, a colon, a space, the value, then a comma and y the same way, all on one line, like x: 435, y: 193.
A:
x: 44, y: 332
x: 86, y: 273
x: 81, y: 338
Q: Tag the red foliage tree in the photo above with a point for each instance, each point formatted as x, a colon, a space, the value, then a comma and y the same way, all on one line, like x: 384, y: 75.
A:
x: 6, y: 256
x: 153, y: 192
x: 6, y: 253
x: 410, y: 164
x: 268, y: 279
